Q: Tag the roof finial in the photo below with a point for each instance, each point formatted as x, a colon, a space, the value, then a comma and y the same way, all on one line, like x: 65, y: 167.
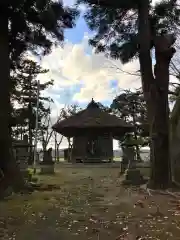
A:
x: 92, y: 104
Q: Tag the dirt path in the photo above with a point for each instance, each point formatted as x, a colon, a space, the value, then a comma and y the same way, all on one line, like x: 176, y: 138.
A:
x: 90, y: 204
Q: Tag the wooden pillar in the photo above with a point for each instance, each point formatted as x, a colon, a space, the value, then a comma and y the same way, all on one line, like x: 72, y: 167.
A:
x: 112, y: 151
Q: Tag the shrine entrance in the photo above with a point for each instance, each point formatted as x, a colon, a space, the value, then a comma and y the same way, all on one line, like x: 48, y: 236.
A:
x: 93, y: 148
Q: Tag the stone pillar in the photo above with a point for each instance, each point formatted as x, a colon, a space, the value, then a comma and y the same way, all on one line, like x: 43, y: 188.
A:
x: 124, y: 162
x: 132, y: 175
x: 128, y: 159
x: 47, y: 165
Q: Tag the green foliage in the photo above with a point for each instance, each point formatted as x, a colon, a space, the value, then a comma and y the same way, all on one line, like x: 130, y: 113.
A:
x: 131, y: 107
x: 166, y: 16
x: 175, y: 93
x: 36, y: 24
x: 25, y: 94
x: 116, y: 25
x: 104, y: 108
x: 69, y: 111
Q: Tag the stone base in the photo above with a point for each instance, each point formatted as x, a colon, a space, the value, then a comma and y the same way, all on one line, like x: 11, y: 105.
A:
x: 47, y: 169
x: 26, y: 175
x: 133, y: 177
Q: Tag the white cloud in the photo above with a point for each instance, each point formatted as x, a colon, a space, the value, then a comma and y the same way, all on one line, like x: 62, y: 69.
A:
x: 74, y: 64
x: 156, y: 1
x: 71, y: 3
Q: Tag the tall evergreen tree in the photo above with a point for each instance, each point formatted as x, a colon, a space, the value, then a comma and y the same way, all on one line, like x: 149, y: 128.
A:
x: 33, y: 25
x: 128, y: 29
x: 26, y: 96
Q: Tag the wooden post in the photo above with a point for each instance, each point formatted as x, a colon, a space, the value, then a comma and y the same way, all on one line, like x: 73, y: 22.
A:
x: 111, y: 136
x: 36, y: 128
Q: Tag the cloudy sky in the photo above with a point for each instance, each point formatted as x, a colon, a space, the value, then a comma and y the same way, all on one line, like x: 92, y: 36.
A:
x: 80, y: 75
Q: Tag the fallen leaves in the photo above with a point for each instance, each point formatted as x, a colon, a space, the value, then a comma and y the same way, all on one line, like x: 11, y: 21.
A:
x: 93, y: 206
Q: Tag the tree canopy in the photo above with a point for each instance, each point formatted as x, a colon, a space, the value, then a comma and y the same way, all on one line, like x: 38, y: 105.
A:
x: 130, y: 106
x: 116, y: 27
x: 36, y: 25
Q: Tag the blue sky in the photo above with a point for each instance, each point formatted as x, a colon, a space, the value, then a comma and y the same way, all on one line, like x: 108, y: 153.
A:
x: 76, y: 34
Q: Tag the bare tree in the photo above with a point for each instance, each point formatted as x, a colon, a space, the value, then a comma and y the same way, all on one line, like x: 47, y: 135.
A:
x: 45, y: 131
x: 57, y: 143
x: 66, y: 112
x: 175, y: 62
x: 114, y: 66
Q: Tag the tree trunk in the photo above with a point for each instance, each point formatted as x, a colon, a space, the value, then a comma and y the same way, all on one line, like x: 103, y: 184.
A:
x: 30, y: 162
x: 175, y: 140
x: 55, y: 152
x: 138, y: 156
x: 11, y: 173
x: 161, y: 164
x: 145, y: 52
x: 70, y: 149
x: 157, y: 102
x: 57, y: 148
x: 44, y: 147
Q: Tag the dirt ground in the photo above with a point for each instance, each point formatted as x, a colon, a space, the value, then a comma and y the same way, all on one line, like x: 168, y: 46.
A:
x: 89, y: 203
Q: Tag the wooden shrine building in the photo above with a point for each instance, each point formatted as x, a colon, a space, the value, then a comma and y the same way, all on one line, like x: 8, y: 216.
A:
x: 92, y: 131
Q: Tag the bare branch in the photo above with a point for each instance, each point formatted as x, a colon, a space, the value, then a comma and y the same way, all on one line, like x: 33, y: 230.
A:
x: 113, y: 65
x: 46, y: 132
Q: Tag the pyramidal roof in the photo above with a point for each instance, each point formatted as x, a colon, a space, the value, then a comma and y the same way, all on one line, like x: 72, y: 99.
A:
x: 93, y: 117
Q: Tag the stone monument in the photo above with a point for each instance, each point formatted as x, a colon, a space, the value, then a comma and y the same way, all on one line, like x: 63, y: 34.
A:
x: 132, y: 175
x: 21, y: 154
x: 47, y: 165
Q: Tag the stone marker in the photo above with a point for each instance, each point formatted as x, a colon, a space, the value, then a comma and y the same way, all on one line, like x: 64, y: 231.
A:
x: 132, y: 175
x: 47, y: 165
